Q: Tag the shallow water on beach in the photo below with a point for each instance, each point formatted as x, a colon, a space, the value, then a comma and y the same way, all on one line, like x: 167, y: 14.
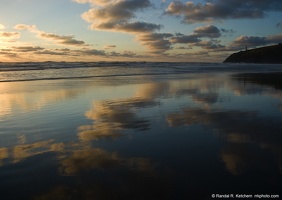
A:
x: 174, y: 136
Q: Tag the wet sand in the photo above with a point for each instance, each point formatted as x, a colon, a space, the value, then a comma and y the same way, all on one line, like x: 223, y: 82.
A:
x: 142, y: 137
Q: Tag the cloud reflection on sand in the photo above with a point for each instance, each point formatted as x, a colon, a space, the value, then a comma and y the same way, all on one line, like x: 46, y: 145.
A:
x: 110, y: 117
x: 3, y: 155
x: 105, y: 175
x: 93, y: 158
x: 250, y: 140
x: 27, y: 97
x: 246, y: 133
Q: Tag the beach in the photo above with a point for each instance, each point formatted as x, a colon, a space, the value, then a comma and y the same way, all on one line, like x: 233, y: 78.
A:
x: 140, y: 130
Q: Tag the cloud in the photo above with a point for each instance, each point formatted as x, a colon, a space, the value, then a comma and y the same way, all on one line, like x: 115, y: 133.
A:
x: 156, y: 42
x: 231, y: 31
x: 255, y: 41
x: 67, y: 40
x: 94, y: 2
x: 55, y: 53
x: 16, y: 51
x: 184, y: 39
x: 128, y: 54
x: 8, y: 53
x: 131, y: 27
x: 116, y: 16
x: 196, y: 38
x: 92, y: 52
x: 250, y: 41
x: 2, y: 27
x: 110, y: 46
x: 26, y: 27
x: 9, y: 35
x: 37, y: 50
x: 88, y: 52
x: 221, y: 9
x: 209, y: 31
x: 181, y: 48
x: 279, y: 25
x: 198, y: 55
x: 27, y: 48
x: 161, y: 42
x: 274, y: 38
x: 213, y: 44
x: 60, y: 39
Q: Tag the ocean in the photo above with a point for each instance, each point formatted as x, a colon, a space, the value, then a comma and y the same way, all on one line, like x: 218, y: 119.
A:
x: 140, y: 130
x: 28, y: 71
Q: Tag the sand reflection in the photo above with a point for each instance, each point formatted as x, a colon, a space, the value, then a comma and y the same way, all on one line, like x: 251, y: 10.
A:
x: 82, y: 160
x: 242, y: 130
x: 15, y: 97
x: 110, y: 117
x: 3, y: 155
x: 251, y: 141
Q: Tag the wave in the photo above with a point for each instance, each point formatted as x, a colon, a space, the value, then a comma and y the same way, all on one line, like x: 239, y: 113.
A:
x: 27, y: 71
x: 87, y: 77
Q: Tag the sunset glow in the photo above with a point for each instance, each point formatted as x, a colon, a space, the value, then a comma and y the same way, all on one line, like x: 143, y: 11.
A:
x: 135, y: 30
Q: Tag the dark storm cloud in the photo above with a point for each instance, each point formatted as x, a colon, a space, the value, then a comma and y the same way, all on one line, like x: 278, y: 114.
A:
x: 222, y: 9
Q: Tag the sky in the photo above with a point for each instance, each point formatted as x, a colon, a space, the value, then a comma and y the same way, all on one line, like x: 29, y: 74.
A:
x: 135, y: 30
